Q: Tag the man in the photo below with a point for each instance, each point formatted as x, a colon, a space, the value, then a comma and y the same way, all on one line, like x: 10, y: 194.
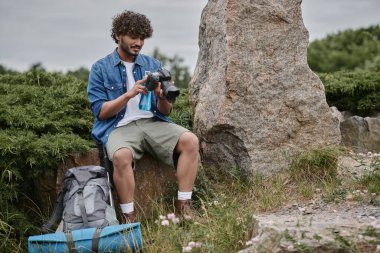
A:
x: 115, y: 88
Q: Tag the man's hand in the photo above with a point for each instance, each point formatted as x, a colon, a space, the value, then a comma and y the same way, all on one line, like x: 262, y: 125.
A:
x: 163, y: 105
x: 159, y: 92
x: 137, y: 89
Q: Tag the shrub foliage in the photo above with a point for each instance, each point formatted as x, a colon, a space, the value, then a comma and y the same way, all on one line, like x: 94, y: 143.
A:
x: 346, y: 50
x: 357, y: 92
x: 356, y: 51
x: 44, y: 117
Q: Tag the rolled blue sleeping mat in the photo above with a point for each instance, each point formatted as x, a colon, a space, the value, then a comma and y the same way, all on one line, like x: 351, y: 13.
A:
x: 119, y: 238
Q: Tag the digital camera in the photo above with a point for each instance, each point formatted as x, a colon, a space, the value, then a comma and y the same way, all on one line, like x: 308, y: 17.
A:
x: 163, y: 76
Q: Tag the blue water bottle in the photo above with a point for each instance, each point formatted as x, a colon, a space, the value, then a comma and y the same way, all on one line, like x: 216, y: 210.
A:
x: 145, y: 102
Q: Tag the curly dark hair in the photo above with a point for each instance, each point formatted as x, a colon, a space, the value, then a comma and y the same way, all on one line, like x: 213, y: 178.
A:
x: 132, y: 24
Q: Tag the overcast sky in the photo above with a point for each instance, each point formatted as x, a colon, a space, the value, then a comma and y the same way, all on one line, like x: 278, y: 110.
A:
x: 68, y: 34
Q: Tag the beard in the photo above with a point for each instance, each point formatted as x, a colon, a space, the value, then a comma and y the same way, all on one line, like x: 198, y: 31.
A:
x: 130, y: 50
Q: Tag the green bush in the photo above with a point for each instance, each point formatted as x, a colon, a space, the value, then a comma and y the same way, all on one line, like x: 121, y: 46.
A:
x: 44, y: 117
x: 357, y: 92
x: 346, y: 50
x: 356, y: 51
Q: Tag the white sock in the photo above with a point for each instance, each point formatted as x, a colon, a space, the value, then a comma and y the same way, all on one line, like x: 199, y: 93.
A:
x: 127, y: 208
x: 184, y: 195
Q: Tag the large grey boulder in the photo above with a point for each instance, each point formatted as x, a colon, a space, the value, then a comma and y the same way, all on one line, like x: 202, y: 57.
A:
x: 254, y: 99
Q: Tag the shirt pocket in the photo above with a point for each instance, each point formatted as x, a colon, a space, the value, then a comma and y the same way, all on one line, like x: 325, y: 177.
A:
x: 114, y: 90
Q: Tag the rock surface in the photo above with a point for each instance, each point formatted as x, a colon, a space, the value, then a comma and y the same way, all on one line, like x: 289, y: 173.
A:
x: 254, y: 99
x: 361, y: 134
x: 316, y: 227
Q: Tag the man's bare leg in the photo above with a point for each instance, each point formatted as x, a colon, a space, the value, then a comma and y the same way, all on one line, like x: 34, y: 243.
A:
x: 187, y: 166
x: 124, y: 181
x: 123, y: 177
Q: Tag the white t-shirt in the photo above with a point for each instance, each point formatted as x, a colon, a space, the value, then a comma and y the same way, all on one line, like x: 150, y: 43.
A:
x: 132, y: 111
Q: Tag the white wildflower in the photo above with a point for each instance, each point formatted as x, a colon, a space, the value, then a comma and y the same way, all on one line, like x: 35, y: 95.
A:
x: 175, y: 220
x: 165, y: 223
x: 171, y: 216
x: 191, y: 244
x: 186, y: 249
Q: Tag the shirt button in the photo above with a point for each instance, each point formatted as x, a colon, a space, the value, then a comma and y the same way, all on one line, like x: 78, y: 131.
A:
x: 123, y: 70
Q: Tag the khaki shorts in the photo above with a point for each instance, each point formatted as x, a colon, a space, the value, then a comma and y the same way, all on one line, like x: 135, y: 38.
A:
x: 150, y: 135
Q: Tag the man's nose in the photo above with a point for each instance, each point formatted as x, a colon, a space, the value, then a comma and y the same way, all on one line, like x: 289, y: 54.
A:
x: 139, y: 41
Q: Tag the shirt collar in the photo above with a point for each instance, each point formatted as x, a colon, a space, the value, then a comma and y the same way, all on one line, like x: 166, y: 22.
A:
x: 117, y: 60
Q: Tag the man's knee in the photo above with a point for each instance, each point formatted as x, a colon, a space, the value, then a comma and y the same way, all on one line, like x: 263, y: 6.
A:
x: 122, y: 158
x: 188, y: 142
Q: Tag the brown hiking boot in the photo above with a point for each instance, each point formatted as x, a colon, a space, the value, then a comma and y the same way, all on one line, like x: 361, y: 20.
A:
x: 129, y: 217
x: 185, y: 208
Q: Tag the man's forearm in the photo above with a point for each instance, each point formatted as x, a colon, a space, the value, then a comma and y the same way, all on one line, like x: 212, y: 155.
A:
x: 111, y: 108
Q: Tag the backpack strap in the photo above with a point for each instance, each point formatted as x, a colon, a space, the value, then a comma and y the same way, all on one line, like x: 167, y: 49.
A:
x: 95, y: 240
x: 56, y: 215
x: 82, y: 206
x: 70, y: 242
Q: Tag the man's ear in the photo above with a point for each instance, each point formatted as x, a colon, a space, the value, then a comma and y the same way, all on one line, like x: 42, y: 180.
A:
x: 118, y: 37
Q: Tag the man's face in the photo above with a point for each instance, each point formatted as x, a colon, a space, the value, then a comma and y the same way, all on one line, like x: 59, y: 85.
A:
x: 130, y: 46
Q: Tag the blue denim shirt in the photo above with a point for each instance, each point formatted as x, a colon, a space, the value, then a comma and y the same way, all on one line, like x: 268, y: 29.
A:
x: 108, y: 81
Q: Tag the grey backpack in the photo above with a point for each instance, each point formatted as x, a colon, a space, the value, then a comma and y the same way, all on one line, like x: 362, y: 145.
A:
x: 85, y: 200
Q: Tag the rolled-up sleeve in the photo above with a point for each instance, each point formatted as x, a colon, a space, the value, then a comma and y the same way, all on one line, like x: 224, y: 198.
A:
x: 96, y: 91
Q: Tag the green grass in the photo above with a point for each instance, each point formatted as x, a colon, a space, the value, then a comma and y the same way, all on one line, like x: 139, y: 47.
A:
x: 221, y: 224
x: 316, y: 165
x: 371, y: 181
